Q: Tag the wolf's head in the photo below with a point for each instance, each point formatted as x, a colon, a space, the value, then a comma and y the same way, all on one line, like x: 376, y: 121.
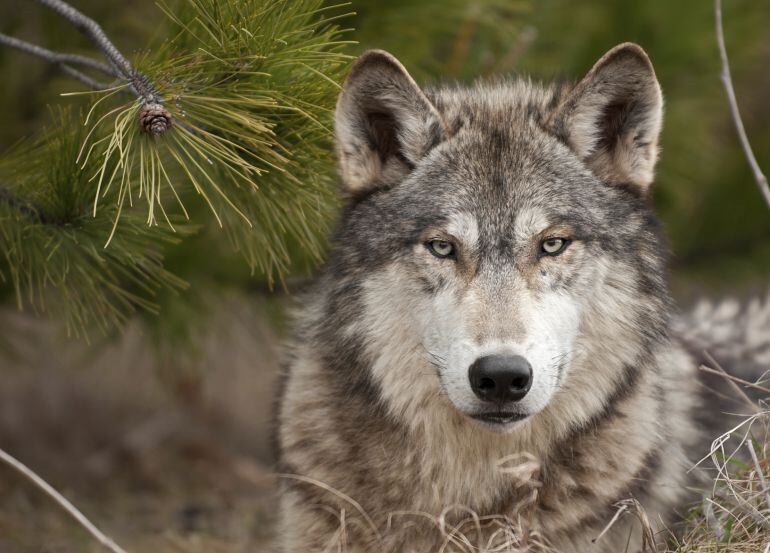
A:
x: 497, y: 247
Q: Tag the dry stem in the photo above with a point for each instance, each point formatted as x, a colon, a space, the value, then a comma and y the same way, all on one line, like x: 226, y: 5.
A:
x: 61, y: 500
x: 759, y: 176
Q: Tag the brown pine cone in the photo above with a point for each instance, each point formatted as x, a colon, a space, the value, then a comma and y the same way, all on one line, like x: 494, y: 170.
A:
x: 154, y: 119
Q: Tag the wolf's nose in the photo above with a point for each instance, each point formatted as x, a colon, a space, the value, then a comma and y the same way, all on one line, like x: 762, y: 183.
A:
x: 500, y: 378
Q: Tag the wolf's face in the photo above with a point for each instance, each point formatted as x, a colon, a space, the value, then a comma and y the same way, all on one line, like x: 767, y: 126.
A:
x: 491, y: 230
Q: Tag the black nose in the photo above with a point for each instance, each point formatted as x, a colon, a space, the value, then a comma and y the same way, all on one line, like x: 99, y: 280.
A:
x: 500, y: 378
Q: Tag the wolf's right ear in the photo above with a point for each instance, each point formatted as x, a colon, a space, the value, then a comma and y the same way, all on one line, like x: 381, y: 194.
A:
x: 384, y: 123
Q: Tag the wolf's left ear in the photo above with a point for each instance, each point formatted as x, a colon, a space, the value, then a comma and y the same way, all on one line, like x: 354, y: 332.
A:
x: 384, y: 124
x: 613, y: 117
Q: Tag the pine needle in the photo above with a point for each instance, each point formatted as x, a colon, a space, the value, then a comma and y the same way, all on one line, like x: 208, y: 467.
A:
x: 249, y: 86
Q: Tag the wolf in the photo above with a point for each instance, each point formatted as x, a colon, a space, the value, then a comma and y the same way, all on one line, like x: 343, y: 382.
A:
x: 491, y: 359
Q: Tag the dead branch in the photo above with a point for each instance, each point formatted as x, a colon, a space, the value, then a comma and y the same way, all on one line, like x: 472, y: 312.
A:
x: 727, y: 81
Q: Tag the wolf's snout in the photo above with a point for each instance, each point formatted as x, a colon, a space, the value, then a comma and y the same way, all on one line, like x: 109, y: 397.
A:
x: 500, y: 378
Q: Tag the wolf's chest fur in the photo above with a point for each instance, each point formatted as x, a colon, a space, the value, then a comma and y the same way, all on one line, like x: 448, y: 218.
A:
x: 534, y: 485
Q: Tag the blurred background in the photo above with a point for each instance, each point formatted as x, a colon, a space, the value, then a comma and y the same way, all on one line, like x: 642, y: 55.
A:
x: 160, y: 428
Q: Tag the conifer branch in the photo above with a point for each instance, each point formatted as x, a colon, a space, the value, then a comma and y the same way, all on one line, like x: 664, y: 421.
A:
x: 155, y: 119
x: 140, y: 84
x: 245, y: 92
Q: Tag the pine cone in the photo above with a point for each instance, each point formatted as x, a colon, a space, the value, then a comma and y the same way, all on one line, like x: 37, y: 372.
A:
x: 154, y: 119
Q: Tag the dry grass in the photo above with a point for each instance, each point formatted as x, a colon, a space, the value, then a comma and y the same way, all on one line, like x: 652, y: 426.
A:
x: 735, y: 517
x: 457, y: 529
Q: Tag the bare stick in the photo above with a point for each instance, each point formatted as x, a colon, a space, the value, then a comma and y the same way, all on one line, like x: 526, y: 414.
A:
x: 61, y: 500
x: 57, y: 57
x: 733, y: 103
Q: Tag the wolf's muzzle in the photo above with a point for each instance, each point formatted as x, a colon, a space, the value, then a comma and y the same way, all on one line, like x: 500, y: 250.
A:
x: 500, y: 379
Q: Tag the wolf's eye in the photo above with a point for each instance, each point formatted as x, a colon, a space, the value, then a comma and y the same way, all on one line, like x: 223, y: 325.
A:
x: 441, y: 248
x: 553, y: 246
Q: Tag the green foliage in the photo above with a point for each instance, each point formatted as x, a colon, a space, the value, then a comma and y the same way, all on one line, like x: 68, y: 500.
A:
x: 52, y: 249
x: 89, y: 210
x: 447, y: 39
x: 250, y: 87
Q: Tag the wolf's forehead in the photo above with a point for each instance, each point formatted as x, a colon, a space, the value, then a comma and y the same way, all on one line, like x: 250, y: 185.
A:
x: 474, y: 225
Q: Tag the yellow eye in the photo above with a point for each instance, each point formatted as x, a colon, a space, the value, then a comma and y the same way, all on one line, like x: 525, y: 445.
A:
x: 553, y: 246
x: 441, y: 248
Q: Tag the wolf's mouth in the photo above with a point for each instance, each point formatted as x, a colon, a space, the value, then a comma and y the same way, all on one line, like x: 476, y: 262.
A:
x: 499, y: 417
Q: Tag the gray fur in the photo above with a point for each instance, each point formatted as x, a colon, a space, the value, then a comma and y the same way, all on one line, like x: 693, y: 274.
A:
x: 376, y: 413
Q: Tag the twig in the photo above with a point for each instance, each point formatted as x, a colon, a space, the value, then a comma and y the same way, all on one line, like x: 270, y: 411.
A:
x: 140, y: 84
x: 523, y: 42
x: 61, y: 500
x: 92, y: 30
x: 62, y: 60
x: 85, y: 79
x: 733, y: 103
x: 57, y: 57
x: 721, y: 372
x: 462, y: 43
x: 153, y: 117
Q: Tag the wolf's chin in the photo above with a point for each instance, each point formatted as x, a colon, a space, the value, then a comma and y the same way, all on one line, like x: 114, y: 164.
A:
x: 503, y: 423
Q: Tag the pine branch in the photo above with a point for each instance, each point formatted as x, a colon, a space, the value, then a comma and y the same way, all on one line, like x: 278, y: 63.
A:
x: 51, y: 249
x: 140, y: 84
x: 251, y: 86
x: 727, y: 81
x: 155, y: 119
